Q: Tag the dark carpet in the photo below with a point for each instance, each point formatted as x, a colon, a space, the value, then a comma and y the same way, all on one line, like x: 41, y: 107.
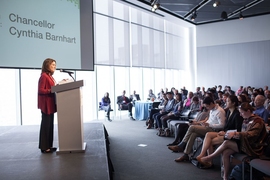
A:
x: 138, y: 153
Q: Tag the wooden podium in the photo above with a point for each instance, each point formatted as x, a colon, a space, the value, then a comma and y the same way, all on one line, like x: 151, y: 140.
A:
x: 69, y: 114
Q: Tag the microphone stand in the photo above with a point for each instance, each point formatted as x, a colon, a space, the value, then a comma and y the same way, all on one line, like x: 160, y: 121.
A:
x: 71, y: 76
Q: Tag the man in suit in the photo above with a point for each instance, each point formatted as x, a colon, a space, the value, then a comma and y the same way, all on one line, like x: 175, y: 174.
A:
x: 134, y: 97
x: 125, y: 103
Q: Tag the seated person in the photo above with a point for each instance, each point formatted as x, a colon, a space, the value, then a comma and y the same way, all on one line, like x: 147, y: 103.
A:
x: 106, y: 105
x: 175, y: 113
x: 260, y: 109
x: 160, y: 94
x: 215, y: 122
x: 183, y: 127
x: 135, y: 97
x: 188, y: 100
x: 168, y: 108
x: 162, y: 104
x: 195, y: 104
x: 248, y: 141
x: 184, y: 93
x: 125, y: 103
x: 151, y: 95
x: 233, y: 122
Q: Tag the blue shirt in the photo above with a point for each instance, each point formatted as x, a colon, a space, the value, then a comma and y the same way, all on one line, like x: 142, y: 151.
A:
x: 263, y: 113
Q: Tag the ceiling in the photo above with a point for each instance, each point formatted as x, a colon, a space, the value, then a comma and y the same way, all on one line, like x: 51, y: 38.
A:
x: 205, y: 11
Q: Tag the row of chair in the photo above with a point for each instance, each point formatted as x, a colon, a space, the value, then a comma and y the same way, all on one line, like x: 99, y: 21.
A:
x: 185, y: 117
x: 261, y: 165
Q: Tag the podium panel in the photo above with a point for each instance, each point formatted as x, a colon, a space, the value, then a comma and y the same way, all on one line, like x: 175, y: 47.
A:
x: 70, y: 119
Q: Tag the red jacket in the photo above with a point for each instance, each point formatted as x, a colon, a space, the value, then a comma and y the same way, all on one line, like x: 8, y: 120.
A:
x: 46, y: 99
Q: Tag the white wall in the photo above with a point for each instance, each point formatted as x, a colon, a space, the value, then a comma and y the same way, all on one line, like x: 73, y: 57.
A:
x: 234, y: 53
x: 235, y: 31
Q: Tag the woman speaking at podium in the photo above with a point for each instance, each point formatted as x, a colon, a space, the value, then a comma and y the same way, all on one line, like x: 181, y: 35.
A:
x: 46, y: 103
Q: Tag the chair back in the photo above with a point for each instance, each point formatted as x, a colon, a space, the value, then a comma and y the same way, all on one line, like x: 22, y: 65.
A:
x: 193, y: 114
x: 185, y: 112
x: 99, y: 106
x: 155, y: 105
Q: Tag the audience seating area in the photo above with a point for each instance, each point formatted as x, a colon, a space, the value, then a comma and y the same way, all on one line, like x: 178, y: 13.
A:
x: 249, y: 94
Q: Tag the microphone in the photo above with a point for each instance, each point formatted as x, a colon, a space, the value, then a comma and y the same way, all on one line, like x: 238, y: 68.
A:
x: 65, y: 71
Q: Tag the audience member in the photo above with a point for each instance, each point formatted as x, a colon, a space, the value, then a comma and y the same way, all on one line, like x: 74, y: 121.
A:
x: 219, y: 88
x: 198, y: 92
x: 168, y: 108
x: 188, y: 101
x: 160, y: 94
x: 260, y: 109
x: 233, y: 122
x: 215, y: 122
x: 229, y: 91
x: 252, y: 98
x: 151, y: 95
x: 125, y: 103
x: 162, y: 104
x: 239, y: 91
x: 183, y: 127
x: 203, y: 91
x: 175, y: 113
x: 242, y: 98
x: 224, y: 98
x: 106, y: 105
x: 267, y: 100
x: 248, y: 141
x: 195, y: 104
x: 135, y: 97
x: 184, y: 93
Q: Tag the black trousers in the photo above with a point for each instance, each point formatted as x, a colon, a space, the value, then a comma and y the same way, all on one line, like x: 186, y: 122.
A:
x: 46, y: 131
x: 128, y: 107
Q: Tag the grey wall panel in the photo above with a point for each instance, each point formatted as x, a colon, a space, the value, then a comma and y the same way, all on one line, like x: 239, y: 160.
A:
x: 234, y: 64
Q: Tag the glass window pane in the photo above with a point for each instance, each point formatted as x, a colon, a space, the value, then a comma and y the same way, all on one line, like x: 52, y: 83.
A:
x: 121, y: 43
x: 159, y: 80
x: 89, y: 94
x: 10, y: 97
x: 102, y: 47
x: 148, y: 81
x: 136, y: 82
x: 105, y: 79
x: 101, y: 6
x: 31, y: 115
x: 120, y: 11
x: 121, y: 80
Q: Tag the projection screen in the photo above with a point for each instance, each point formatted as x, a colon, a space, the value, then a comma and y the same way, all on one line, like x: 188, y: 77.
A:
x: 33, y: 30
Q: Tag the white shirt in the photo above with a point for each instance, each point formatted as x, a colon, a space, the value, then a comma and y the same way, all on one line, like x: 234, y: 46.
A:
x: 216, y: 118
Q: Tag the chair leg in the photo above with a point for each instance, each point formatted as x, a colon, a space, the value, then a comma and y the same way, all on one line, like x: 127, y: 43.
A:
x: 250, y: 172
x: 243, y: 170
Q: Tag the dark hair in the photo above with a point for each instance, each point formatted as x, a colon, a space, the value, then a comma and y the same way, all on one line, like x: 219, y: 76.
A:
x: 195, y: 98
x: 46, y: 65
x: 208, y: 100
x: 234, y: 100
x: 180, y: 96
x: 218, y: 102
x: 246, y: 106
x: 243, y: 97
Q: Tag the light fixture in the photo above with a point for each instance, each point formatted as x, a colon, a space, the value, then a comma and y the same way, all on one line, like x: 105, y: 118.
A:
x: 155, y: 5
x: 224, y: 15
x: 216, y: 4
x: 241, y: 16
x: 194, y: 15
